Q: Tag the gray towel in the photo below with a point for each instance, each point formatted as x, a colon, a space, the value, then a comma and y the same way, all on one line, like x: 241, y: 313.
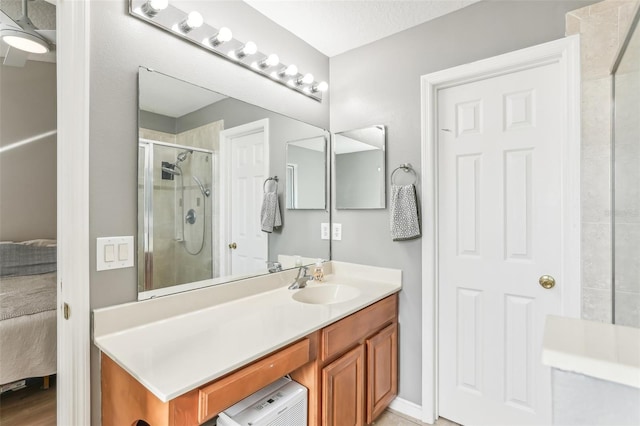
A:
x: 270, y: 212
x: 405, y: 224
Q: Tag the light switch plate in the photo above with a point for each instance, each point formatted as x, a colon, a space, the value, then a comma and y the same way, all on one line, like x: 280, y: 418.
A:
x: 324, y: 231
x: 114, y: 253
x: 336, y: 235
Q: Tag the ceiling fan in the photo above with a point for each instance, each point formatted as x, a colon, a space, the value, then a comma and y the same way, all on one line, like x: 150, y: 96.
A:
x: 24, y: 38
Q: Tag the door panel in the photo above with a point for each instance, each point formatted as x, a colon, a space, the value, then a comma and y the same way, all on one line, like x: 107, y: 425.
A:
x: 500, y: 229
x: 247, y: 176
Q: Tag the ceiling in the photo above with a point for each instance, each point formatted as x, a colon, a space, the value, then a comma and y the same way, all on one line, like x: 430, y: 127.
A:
x: 336, y: 26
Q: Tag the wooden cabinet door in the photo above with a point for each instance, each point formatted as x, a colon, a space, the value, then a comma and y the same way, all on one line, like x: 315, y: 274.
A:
x: 343, y: 393
x: 382, y: 371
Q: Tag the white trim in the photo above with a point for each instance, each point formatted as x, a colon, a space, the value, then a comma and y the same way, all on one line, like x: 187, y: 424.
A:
x: 294, y: 179
x: 226, y: 138
x: 565, y: 51
x: 73, y: 71
x: 408, y: 408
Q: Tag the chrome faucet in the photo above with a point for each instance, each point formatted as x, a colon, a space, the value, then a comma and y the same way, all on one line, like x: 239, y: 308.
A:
x: 274, y: 266
x: 302, y: 279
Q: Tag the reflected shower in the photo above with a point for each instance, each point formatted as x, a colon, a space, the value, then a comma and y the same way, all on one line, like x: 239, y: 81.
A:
x: 176, y: 170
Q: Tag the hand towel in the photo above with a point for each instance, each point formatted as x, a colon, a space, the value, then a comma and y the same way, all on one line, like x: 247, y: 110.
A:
x: 270, y: 212
x: 405, y: 224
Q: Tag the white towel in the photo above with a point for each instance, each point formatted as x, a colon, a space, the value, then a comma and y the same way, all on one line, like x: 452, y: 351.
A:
x: 405, y: 224
x: 270, y: 212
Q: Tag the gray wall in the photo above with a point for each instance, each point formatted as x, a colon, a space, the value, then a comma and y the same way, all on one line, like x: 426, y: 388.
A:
x: 311, y: 169
x: 121, y: 43
x: 28, y: 172
x: 380, y: 84
x: 159, y: 122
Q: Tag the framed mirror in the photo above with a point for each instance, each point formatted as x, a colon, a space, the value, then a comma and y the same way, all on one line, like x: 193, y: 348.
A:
x: 306, y: 177
x: 359, y: 164
x: 211, y: 188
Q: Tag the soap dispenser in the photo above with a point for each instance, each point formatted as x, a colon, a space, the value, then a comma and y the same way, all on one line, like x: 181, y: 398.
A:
x: 318, y: 272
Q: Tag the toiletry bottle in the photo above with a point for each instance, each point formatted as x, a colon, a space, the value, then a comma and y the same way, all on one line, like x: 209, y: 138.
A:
x: 318, y: 272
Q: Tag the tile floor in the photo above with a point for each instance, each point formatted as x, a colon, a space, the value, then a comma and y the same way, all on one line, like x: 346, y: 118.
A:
x: 391, y: 418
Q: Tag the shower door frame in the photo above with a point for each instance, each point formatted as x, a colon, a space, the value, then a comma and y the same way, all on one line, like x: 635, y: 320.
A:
x: 147, y: 208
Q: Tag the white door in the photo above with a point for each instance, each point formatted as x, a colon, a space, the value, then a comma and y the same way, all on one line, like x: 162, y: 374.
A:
x: 247, y: 170
x: 500, y: 229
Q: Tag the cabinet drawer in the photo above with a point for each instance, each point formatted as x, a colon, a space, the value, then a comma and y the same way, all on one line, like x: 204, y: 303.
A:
x: 342, y: 335
x: 223, y: 393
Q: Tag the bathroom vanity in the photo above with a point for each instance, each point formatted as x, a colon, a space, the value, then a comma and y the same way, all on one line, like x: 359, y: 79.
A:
x: 166, y: 364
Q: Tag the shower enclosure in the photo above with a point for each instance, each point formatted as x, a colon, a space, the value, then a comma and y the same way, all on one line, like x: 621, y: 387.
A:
x: 174, y: 215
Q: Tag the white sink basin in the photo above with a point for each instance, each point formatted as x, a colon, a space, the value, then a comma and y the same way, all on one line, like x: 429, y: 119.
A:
x: 326, y: 294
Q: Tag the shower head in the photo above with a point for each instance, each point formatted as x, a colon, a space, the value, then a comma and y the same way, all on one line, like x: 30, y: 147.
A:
x: 204, y: 190
x: 183, y: 155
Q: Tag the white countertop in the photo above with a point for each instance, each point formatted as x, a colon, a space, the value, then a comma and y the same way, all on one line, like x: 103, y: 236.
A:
x: 173, y: 355
x: 604, y: 351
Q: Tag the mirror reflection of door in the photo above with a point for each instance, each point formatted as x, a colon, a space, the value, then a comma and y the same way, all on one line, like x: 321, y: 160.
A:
x: 246, y: 148
x: 292, y: 185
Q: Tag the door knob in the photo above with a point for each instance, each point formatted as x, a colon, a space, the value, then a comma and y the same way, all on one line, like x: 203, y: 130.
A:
x: 233, y: 246
x: 547, y: 281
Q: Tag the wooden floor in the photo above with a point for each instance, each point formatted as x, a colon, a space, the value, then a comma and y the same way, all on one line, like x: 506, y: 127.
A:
x: 31, y: 406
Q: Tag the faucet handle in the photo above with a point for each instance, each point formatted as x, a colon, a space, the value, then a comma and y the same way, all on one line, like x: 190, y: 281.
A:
x: 273, y: 266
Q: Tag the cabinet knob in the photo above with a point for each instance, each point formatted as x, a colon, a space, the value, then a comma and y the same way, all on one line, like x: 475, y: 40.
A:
x: 233, y: 246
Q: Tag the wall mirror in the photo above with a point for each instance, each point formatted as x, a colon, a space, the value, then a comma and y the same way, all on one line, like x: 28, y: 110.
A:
x: 359, y: 164
x: 306, y: 177
x: 206, y: 163
x: 626, y: 195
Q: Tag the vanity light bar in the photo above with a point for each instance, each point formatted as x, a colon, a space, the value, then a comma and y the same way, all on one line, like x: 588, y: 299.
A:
x: 190, y: 26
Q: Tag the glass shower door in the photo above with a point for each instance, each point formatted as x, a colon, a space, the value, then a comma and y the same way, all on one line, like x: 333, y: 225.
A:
x: 178, y: 215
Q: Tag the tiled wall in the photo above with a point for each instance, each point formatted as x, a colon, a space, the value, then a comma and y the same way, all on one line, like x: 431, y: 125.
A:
x: 603, y: 27
x: 627, y: 186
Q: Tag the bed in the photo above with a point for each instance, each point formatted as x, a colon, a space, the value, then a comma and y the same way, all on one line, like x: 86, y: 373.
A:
x: 27, y: 310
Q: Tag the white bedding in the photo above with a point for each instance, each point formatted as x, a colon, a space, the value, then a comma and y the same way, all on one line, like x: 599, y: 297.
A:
x: 28, y: 345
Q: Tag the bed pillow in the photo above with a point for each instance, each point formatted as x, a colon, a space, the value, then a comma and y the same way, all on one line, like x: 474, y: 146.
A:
x: 24, y: 259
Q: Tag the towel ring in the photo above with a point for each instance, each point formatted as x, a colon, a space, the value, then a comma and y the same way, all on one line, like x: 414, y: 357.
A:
x: 405, y: 167
x: 264, y: 185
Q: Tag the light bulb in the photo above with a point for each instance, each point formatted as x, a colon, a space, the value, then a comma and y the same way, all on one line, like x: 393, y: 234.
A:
x: 273, y: 60
x: 152, y: 7
x: 307, y: 79
x: 25, y: 41
x: 249, y: 48
x: 270, y: 61
x: 193, y: 20
x: 224, y: 35
x: 291, y: 70
x: 320, y: 87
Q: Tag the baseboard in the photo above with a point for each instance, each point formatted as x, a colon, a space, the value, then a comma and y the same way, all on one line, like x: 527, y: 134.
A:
x: 407, y: 408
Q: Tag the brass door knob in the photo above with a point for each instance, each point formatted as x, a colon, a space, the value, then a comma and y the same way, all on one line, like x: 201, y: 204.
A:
x: 233, y: 246
x: 547, y: 281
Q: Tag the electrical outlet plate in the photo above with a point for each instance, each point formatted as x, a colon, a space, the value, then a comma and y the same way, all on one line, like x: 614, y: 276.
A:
x: 324, y: 231
x: 336, y: 235
x: 114, y: 253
